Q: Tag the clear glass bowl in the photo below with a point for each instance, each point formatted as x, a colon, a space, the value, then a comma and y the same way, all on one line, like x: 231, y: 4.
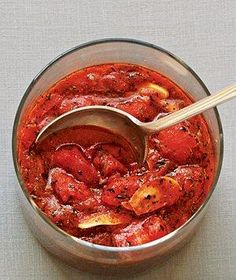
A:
x: 71, y: 249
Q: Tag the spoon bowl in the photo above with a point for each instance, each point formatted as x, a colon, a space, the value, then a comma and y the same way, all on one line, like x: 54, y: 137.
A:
x: 115, y: 120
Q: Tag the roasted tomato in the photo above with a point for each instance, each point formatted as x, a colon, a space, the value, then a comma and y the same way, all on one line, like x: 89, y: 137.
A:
x: 178, y: 143
x: 108, y: 165
x: 159, y: 164
x: 71, y: 159
x: 66, y: 187
x: 139, y: 232
x: 140, y: 107
x: 120, y: 189
x: 191, y: 178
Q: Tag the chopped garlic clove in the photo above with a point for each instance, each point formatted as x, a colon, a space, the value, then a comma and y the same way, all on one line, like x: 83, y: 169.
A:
x: 101, y: 219
x: 162, y: 92
x: 164, y: 191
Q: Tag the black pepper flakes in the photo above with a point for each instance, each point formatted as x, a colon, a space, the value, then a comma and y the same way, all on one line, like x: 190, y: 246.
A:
x: 148, y: 197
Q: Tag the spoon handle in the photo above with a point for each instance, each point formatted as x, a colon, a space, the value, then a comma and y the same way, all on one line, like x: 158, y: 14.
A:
x: 191, y: 110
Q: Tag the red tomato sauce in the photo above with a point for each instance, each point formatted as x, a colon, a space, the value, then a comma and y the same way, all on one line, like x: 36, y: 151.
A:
x: 86, y: 182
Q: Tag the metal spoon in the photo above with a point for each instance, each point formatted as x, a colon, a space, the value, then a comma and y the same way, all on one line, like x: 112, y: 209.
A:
x: 127, y: 126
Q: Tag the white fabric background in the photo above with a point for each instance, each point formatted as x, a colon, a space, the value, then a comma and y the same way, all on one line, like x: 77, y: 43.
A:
x: 202, y: 32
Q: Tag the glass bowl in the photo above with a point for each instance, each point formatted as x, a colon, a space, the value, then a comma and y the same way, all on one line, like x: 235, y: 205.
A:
x: 69, y: 248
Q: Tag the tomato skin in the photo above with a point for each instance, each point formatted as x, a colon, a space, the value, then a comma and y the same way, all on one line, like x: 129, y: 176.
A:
x: 66, y: 187
x: 73, y: 103
x: 177, y: 143
x: 140, y: 107
x: 71, y: 159
x: 28, y: 135
x: 31, y: 175
x: 159, y: 164
x: 120, y: 189
x: 112, y: 82
x: 103, y: 238
x: 140, y: 232
x: 191, y: 178
x: 108, y: 165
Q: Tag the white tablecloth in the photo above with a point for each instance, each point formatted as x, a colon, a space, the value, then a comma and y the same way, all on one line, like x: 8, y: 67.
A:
x: 201, y: 32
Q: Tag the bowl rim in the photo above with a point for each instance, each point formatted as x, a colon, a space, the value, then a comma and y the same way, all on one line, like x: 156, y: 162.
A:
x: 45, y: 218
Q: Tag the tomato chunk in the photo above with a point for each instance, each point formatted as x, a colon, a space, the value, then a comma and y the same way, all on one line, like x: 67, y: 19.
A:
x: 140, y: 232
x: 191, y: 178
x: 71, y: 159
x: 33, y: 176
x: 140, y: 107
x: 103, y: 238
x: 108, y: 165
x: 159, y: 164
x: 177, y: 143
x: 28, y: 135
x: 112, y: 82
x: 120, y: 189
x: 61, y: 215
x: 66, y: 187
